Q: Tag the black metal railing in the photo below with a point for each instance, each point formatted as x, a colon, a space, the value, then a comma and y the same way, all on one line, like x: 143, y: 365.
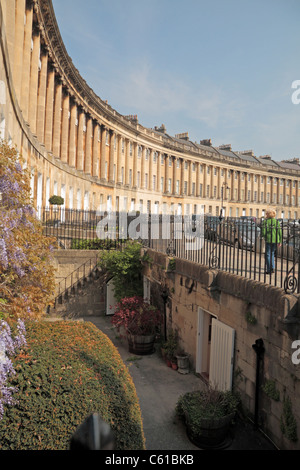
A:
x: 236, y: 245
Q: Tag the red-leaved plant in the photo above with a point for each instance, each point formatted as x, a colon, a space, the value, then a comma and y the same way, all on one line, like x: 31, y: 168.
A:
x: 136, y: 316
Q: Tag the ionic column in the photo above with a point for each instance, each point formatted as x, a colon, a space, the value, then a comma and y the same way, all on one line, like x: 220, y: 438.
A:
x: 34, y: 74
x: 182, y: 176
x: 88, y: 146
x: 18, y: 45
x: 72, y: 135
x: 167, y: 173
x: 143, y: 167
x: 135, y: 158
x: 49, y: 109
x: 26, y: 63
x: 10, y: 14
x: 41, y: 103
x: 150, y: 185
x: 103, y: 152
x: 158, y: 171
x: 119, y: 159
x: 79, y: 162
x: 190, y: 178
x: 198, y: 180
x: 65, y: 127
x: 126, y: 159
x: 218, y: 183
x: 57, y: 118
x: 111, y: 156
x: 95, y: 164
x: 174, y: 176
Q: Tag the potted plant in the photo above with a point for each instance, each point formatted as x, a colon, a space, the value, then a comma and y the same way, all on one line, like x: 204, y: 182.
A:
x: 139, y: 321
x: 183, y: 362
x: 208, y: 415
x: 170, y: 347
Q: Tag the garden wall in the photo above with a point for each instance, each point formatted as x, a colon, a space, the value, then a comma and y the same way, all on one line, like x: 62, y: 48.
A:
x: 255, y: 311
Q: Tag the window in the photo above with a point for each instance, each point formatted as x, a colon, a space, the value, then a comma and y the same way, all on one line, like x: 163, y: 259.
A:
x: 146, y: 180
x: 170, y: 185
x: 200, y: 189
x: 185, y: 187
x: 177, y: 187
x: 154, y: 182
x: 207, y: 191
x: 193, y: 189
x: 162, y: 183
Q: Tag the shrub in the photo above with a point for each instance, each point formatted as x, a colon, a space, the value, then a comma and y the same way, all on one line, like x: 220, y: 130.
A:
x: 136, y: 316
x: 88, y: 244
x: 125, y: 266
x: 56, y: 200
x: 69, y: 370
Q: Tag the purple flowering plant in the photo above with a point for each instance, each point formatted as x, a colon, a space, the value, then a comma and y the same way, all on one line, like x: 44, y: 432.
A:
x: 26, y: 271
x: 9, y: 345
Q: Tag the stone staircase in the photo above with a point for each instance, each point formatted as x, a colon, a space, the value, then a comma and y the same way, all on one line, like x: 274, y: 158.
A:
x: 80, y: 293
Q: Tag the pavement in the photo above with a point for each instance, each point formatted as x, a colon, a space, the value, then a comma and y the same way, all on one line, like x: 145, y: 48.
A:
x: 158, y: 388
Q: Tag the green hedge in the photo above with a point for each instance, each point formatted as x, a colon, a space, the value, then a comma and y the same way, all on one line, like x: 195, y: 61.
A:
x: 69, y: 370
x: 87, y: 244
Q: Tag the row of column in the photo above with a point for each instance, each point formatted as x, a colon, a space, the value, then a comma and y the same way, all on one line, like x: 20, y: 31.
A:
x: 70, y: 132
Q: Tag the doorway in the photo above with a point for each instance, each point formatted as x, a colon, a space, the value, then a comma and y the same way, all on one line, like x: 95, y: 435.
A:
x: 215, y: 350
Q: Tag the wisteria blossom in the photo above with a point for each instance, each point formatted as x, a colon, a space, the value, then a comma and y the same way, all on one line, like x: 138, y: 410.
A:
x: 26, y: 271
x: 9, y: 346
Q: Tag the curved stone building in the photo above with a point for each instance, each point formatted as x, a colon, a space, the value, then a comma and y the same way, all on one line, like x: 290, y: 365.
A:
x: 80, y: 148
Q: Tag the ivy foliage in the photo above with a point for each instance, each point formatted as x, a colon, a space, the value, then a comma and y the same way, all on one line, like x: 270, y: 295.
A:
x: 68, y: 371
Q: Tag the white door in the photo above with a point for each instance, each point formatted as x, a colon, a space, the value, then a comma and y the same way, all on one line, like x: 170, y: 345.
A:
x: 221, y: 355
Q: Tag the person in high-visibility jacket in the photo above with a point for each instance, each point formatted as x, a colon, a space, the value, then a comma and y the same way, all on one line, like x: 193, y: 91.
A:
x: 272, y: 233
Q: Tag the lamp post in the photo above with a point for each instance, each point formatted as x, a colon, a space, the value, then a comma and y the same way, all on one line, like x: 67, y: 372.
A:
x: 223, y: 188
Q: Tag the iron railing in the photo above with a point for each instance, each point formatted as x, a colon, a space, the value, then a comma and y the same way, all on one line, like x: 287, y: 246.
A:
x: 234, y: 245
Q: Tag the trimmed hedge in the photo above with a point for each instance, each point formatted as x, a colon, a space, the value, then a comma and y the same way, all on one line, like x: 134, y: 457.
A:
x: 69, y: 370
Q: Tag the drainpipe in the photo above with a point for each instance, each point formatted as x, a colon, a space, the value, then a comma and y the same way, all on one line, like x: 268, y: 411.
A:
x: 165, y: 295
x: 259, y: 349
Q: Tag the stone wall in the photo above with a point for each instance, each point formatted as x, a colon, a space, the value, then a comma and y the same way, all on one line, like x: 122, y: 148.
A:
x: 88, y: 297
x: 255, y: 311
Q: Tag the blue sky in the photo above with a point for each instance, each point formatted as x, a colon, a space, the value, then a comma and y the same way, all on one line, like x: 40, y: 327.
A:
x: 217, y: 69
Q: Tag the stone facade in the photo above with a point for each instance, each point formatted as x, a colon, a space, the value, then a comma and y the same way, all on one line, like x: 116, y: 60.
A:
x: 255, y: 311
x: 78, y: 147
